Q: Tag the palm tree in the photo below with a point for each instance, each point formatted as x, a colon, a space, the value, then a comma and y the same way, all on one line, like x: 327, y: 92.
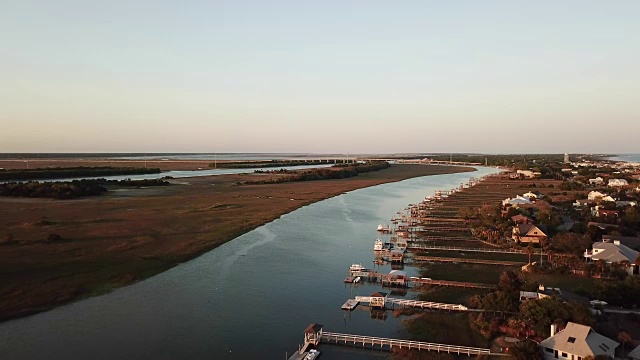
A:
x: 529, y: 252
x: 550, y: 257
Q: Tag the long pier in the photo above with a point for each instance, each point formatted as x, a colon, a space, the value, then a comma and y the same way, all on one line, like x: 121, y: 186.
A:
x: 481, y: 250
x: 467, y: 261
x: 373, y: 341
x: 417, y: 304
x: 462, y: 284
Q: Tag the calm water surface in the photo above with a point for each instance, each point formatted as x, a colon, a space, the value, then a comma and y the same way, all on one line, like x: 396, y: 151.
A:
x: 249, y: 298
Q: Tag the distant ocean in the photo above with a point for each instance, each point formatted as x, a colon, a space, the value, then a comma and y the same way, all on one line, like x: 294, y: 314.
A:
x: 632, y: 158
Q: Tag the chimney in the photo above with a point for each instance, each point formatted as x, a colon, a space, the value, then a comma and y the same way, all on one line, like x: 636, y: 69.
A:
x: 554, y: 328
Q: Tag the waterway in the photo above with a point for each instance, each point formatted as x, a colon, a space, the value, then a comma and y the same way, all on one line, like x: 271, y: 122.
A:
x: 178, y: 174
x: 249, y: 298
x: 632, y: 158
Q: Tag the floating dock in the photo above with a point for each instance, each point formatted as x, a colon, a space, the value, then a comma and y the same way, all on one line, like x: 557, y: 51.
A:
x: 350, y: 304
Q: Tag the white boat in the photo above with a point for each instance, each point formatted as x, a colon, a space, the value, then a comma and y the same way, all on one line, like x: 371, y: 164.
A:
x: 384, y: 228
x: 378, y: 245
x: 312, y: 355
x: 356, y: 267
x: 357, y: 280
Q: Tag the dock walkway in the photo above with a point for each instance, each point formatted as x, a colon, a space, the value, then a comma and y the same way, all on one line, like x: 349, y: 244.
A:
x: 467, y: 261
x: 482, y: 250
x: 373, y: 341
x: 416, y: 304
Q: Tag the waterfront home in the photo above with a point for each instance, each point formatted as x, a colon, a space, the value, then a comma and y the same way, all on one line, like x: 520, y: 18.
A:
x: 618, y: 183
x: 528, y: 174
x: 544, y: 292
x: 613, y: 252
x: 597, y: 181
x: 533, y: 194
x: 598, y: 196
x: 518, y: 200
x: 576, y: 342
x: 528, y: 233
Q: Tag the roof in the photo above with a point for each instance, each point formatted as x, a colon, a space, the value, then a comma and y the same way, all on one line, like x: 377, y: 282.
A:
x: 529, y: 229
x: 613, y: 253
x: 398, y: 273
x: 519, y: 217
x: 580, y: 340
x: 313, y: 328
x: 629, y: 241
x: 379, y: 294
x: 635, y: 353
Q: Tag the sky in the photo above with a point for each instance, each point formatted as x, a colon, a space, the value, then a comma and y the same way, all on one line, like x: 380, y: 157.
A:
x: 320, y: 76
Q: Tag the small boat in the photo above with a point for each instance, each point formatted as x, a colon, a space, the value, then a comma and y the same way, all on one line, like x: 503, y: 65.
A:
x: 378, y: 245
x: 357, y: 279
x: 312, y: 355
x: 384, y: 228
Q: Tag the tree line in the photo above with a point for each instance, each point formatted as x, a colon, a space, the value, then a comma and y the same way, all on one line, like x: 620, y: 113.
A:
x: 65, y: 190
x: 335, y: 172
x: 71, y: 172
x: 265, y: 164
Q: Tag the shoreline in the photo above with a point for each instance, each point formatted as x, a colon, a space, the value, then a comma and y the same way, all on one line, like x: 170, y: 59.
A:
x: 84, y: 266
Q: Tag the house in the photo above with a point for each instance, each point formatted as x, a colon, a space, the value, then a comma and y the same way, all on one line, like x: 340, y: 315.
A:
x: 533, y: 194
x: 528, y: 233
x: 618, y: 183
x: 583, y: 203
x: 596, y: 181
x: 521, y: 219
x: 603, y: 213
x: 595, y: 195
x: 622, y: 204
x: 613, y: 252
x: 576, y: 342
x: 528, y: 174
x: 634, y: 354
x: 518, y: 200
x: 602, y: 226
x: 547, y: 292
x: 632, y: 242
x: 378, y: 300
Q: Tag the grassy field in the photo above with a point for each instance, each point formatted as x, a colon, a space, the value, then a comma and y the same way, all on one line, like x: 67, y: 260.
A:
x: 449, y: 295
x: 124, y: 237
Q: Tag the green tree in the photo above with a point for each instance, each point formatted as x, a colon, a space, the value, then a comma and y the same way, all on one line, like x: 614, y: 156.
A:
x: 510, y: 282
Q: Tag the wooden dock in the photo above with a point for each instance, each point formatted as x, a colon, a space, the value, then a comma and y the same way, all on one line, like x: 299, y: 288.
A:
x: 387, y: 343
x: 416, y: 304
x: 463, y: 249
x: 468, y: 285
x: 467, y: 261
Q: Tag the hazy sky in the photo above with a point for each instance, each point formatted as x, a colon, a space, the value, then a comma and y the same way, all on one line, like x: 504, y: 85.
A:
x: 319, y: 76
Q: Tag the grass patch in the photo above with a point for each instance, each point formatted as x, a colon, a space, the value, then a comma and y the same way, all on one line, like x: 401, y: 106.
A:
x: 487, y: 274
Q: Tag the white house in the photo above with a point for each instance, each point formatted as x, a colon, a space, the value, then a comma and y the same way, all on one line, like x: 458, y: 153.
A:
x: 598, y: 196
x: 529, y: 174
x: 618, y: 183
x: 518, y: 200
x: 613, y: 252
x: 576, y: 342
x: 533, y: 194
x: 596, y: 181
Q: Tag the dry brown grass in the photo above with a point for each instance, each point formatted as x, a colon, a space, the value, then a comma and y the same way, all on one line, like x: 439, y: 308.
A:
x: 123, y: 237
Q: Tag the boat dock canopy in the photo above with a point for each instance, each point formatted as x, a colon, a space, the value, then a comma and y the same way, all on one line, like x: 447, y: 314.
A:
x: 313, y: 329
